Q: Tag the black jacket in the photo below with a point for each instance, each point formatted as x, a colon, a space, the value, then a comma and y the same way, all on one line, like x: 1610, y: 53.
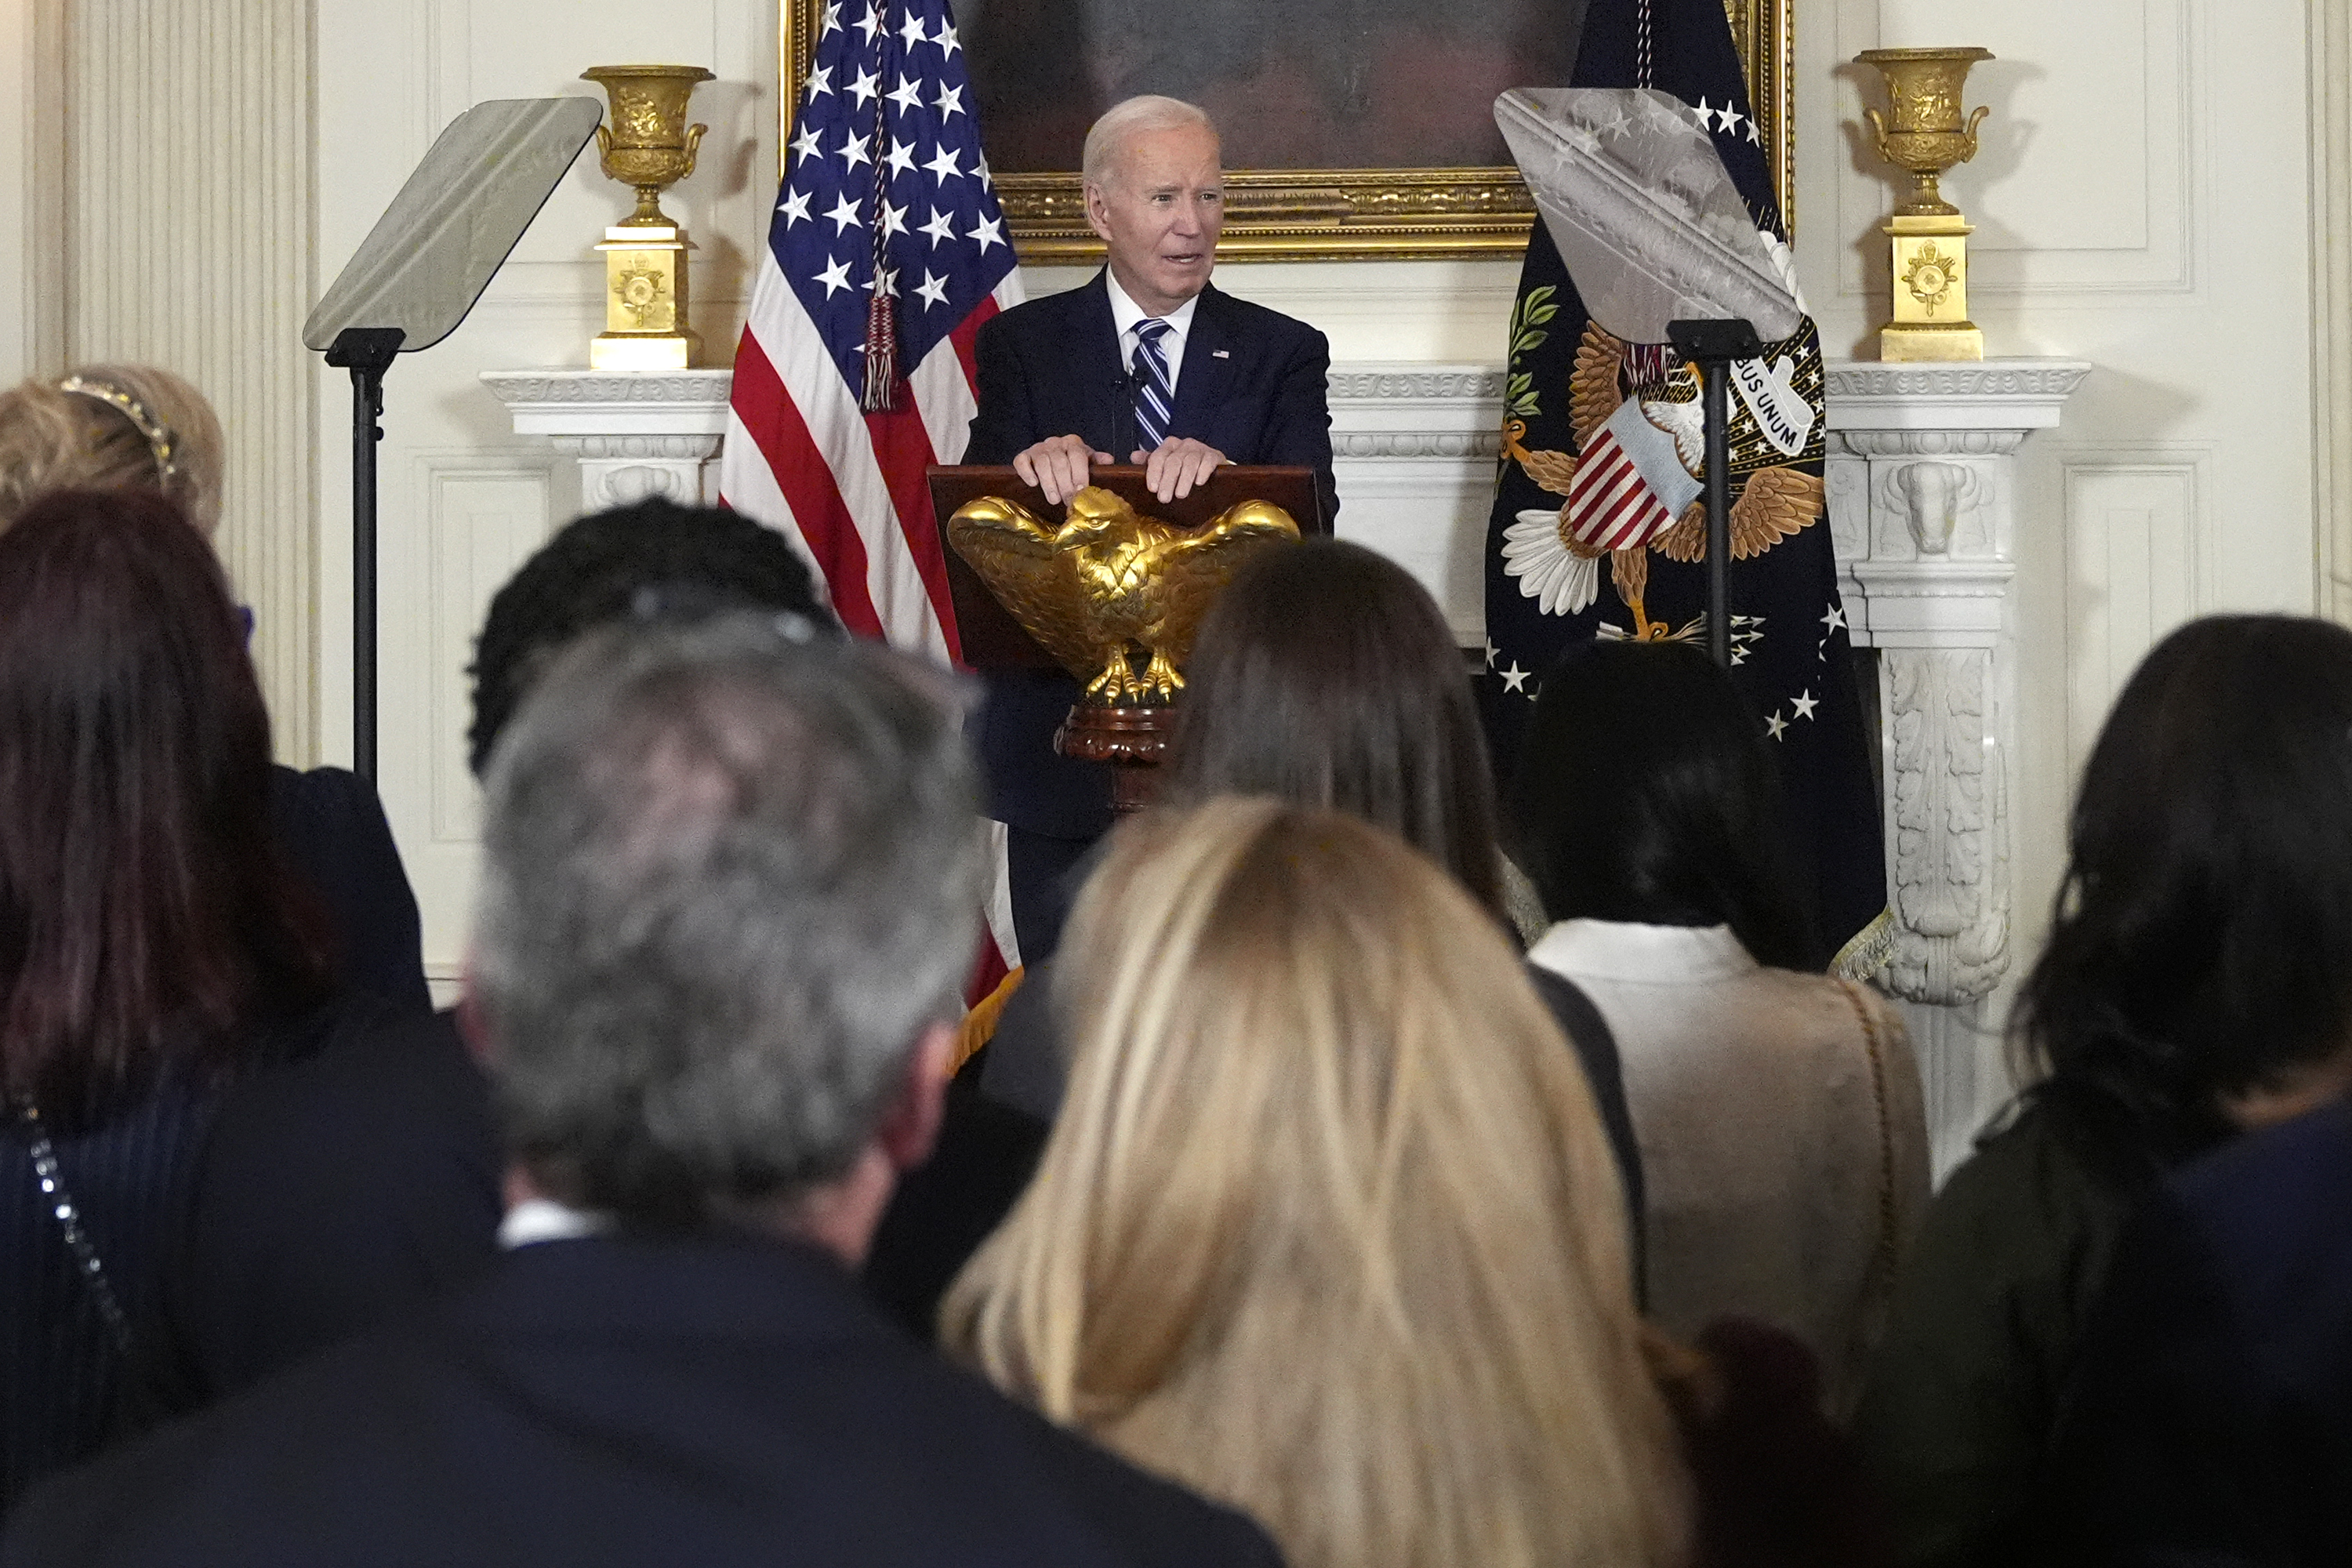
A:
x: 713, y: 1401
x: 2212, y: 1416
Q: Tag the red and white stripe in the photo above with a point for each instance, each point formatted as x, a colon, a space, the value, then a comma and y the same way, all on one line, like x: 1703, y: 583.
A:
x: 1609, y: 505
x: 846, y: 486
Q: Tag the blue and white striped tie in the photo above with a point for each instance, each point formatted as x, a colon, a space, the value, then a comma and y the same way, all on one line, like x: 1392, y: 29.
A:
x: 1153, y: 400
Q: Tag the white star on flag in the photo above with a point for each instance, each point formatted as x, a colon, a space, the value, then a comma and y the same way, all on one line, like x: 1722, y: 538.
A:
x: 794, y: 208
x: 845, y: 215
x: 941, y: 228
x: 1804, y: 704
x: 834, y: 278
x: 933, y: 288
x: 865, y: 87
x: 909, y: 93
x: 819, y: 82
x: 1776, y: 725
x: 1516, y: 679
x: 943, y: 165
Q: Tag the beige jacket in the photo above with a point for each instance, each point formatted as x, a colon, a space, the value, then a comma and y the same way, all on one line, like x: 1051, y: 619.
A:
x: 1784, y: 1146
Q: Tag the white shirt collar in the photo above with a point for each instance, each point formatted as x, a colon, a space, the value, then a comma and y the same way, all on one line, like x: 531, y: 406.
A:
x: 1125, y: 313
x: 544, y: 1219
x: 1624, y: 949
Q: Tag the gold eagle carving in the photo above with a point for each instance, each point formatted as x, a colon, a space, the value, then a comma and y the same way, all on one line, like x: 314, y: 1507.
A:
x: 1109, y: 580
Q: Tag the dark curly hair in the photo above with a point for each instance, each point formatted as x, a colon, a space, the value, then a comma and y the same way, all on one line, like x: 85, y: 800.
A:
x: 1646, y: 792
x: 657, y: 560
x: 2202, y: 939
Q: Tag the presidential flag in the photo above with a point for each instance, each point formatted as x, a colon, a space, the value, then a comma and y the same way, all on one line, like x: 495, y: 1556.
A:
x: 885, y: 254
x: 1597, y: 530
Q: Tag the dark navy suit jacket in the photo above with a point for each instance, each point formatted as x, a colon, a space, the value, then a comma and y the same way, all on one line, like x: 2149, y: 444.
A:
x: 715, y: 1401
x: 1254, y: 384
x: 2211, y: 1422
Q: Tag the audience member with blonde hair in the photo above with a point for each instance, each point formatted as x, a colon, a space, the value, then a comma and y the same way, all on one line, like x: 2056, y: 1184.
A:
x: 109, y: 428
x: 1329, y: 1227
x: 112, y: 427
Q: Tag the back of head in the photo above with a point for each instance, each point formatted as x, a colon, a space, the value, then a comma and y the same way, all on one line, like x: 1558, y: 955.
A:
x: 2203, y: 942
x: 141, y: 898
x: 731, y: 874
x: 1325, y: 676
x: 652, y: 560
x: 107, y: 427
x: 1645, y: 793
x: 1327, y: 1227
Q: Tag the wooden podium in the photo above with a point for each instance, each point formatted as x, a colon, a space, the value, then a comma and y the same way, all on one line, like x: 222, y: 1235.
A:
x: 1131, y: 741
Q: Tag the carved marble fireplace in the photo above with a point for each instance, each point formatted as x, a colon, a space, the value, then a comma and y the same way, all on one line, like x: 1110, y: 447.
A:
x: 1923, y: 504
x: 1922, y: 478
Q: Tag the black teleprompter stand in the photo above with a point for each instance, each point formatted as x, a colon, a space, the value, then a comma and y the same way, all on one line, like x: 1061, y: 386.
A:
x: 1712, y: 346
x: 367, y: 352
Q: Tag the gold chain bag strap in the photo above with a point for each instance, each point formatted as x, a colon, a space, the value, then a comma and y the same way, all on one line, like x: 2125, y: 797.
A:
x: 1882, y: 1261
x: 60, y: 1199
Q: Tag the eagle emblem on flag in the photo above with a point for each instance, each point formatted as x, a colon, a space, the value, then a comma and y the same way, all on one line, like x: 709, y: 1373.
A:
x: 1636, y: 482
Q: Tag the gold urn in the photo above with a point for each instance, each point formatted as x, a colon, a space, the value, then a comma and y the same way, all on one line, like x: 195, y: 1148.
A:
x: 1925, y: 131
x: 649, y: 145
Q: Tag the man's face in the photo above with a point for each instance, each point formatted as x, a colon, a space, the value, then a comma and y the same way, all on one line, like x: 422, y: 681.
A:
x: 1159, y: 211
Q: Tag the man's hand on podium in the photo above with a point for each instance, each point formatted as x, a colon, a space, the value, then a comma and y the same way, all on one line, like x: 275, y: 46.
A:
x: 1062, y: 466
x: 1059, y: 465
x: 1180, y: 463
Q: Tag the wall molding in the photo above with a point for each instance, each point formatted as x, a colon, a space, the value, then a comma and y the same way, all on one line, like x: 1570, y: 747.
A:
x: 2331, y: 302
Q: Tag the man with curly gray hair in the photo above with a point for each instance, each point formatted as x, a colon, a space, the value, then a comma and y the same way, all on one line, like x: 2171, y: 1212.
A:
x: 728, y: 893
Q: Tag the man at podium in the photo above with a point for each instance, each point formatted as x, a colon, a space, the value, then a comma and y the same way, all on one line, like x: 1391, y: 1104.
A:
x: 1147, y: 362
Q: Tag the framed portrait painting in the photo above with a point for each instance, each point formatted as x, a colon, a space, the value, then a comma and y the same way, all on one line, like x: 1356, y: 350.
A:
x: 1352, y: 129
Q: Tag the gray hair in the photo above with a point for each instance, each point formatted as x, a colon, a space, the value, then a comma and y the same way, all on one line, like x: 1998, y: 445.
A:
x: 1129, y: 118
x: 733, y: 871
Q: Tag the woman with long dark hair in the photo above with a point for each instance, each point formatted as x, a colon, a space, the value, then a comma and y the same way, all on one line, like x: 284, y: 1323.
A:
x: 2197, y: 983
x: 1779, y: 1112
x: 152, y: 944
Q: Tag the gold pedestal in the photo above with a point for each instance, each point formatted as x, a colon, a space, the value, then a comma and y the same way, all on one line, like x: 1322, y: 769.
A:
x: 645, y: 301
x: 1924, y: 132
x: 649, y: 147
x: 1931, y: 292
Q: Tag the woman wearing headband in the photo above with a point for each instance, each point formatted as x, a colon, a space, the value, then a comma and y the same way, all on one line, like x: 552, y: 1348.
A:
x: 112, y: 427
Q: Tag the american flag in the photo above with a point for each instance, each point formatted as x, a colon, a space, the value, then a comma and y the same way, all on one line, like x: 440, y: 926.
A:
x: 887, y: 252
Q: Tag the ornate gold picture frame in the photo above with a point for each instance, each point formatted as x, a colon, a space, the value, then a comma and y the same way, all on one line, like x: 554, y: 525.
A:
x: 1345, y: 215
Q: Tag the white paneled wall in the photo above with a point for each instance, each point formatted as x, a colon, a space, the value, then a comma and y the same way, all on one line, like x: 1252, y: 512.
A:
x: 2143, y: 202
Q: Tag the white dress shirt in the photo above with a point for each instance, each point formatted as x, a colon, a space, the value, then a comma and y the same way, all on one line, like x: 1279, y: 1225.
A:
x: 1124, y: 315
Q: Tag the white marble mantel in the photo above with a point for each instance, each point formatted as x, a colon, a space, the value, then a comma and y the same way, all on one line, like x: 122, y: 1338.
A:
x: 634, y: 434
x: 1413, y: 444
x: 1923, y: 506
x: 1922, y: 479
